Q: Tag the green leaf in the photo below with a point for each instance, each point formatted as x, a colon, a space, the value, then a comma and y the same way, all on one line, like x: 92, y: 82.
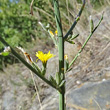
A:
x: 71, y: 42
x: 52, y: 80
x: 74, y: 36
x: 66, y: 65
x: 91, y: 24
x: 36, y: 67
x: 62, y: 83
x: 57, y: 77
x: 69, y: 69
x: 5, y: 53
x: 61, y: 76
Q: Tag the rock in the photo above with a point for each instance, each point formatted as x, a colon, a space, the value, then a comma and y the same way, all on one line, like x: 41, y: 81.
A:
x: 91, y: 96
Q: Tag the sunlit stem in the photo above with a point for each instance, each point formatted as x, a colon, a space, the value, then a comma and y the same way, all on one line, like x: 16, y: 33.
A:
x: 61, y: 53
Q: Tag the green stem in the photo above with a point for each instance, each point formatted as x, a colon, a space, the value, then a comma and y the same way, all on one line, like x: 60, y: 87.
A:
x: 85, y: 42
x: 61, y: 53
x: 44, y: 68
x: 28, y: 65
x: 76, y: 20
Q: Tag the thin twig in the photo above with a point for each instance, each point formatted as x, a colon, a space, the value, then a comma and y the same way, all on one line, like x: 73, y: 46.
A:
x: 85, y: 42
x: 97, y: 104
x: 76, y: 20
x: 43, y: 11
x: 31, y: 7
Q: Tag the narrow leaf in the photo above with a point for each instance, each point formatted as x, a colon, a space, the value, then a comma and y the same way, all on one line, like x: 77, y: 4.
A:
x: 53, y: 81
x: 62, y: 83
x: 71, y: 42
x: 74, y: 36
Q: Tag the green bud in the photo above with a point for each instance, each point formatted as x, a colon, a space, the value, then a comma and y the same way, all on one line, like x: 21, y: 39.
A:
x: 5, y: 53
x: 78, y: 18
x: 71, y: 42
x: 66, y: 63
x: 91, y: 24
x: 57, y: 77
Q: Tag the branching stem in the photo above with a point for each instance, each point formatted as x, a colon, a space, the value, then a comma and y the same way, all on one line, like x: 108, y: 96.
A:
x: 28, y: 65
x: 85, y: 42
x: 76, y: 20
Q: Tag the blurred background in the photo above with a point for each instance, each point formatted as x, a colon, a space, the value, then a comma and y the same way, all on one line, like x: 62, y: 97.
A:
x: 20, y: 28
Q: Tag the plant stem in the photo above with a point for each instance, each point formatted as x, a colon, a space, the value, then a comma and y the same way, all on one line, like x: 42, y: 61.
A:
x: 76, y: 20
x: 61, y: 53
x: 28, y: 65
x: 85, y: 42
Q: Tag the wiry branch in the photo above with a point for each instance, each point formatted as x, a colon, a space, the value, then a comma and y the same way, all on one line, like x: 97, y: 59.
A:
x: 86, y: 42
x: 76, y: 20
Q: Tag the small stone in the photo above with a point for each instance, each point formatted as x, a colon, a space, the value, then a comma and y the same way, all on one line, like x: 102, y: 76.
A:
x: 103, y: 79
x: 78, y: 82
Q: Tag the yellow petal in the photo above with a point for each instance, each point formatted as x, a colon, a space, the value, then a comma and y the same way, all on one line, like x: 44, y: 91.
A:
x: 44, y: 57
x: 56, y: 32
x: 66, y: 57
x: 51, y: 33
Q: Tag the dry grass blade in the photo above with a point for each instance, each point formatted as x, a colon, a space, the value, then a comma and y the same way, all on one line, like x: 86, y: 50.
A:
x: 97, y: 104
x: 76, y: 107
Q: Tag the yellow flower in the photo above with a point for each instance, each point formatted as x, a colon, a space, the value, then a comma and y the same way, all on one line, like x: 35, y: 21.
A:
x: 51, y: 33
x: 44, y: 57
x: 66, y: 57
x: 56, y: 32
